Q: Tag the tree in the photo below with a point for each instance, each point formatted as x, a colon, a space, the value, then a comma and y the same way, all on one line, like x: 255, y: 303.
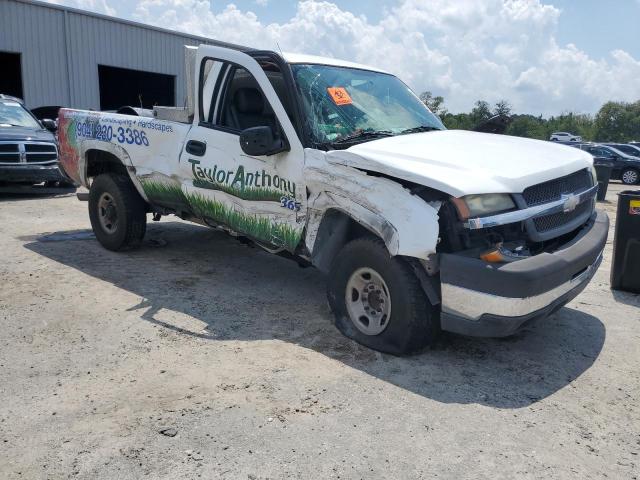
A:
x: 502, y: 108
x: 481, y: 112
x: 614, y: 122
x: 618, y: 122
x: 435, y: 104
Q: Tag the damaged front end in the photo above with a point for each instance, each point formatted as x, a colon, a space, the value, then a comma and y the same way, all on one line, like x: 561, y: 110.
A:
x: 503, y: 269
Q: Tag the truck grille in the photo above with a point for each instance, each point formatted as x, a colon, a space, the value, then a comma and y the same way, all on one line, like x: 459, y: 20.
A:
x: 28, y: 152
x: 555, y: 224
x: 557, y: 220
x: 9, y: 153
x: 552, y: 191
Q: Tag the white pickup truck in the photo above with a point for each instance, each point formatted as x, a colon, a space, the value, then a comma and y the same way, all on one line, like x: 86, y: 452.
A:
x: 339, y: 165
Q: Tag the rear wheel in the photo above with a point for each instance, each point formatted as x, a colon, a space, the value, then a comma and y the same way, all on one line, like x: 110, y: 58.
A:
x: 378, y: 301
x: 117, y: 212
x: 629, y: 176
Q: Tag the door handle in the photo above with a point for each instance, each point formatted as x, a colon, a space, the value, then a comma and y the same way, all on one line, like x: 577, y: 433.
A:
x: 194, y: 147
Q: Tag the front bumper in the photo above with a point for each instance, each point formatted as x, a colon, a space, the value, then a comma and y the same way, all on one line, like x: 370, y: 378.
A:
x: 31, y: 173
x: 490, y: 300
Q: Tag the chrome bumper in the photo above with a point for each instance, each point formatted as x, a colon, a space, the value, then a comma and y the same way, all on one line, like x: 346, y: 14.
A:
x: 488, y: 299
x: 472, y: 305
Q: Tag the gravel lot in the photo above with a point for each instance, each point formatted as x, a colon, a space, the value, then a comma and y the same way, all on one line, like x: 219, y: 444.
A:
x: 231, y: 353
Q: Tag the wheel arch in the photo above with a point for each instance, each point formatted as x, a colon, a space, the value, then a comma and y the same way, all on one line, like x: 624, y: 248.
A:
x: 100, y: 157
x: 335, y: 229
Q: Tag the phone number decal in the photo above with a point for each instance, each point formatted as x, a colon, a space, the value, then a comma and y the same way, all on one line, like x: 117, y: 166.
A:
x: 107, y: 133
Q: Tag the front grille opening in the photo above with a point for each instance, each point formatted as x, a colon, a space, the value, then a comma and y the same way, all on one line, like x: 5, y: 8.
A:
x: 11, y: 158
x: 39, y: 147
x: 47, y: 157
x: 8, y: 147
x: 553, y: 190
x: 557, y: 220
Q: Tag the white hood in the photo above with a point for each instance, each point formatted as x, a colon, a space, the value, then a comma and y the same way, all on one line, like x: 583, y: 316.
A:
x: 460, y: 162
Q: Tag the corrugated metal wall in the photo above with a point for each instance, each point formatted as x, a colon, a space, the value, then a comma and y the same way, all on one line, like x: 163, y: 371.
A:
x: 61, y: 49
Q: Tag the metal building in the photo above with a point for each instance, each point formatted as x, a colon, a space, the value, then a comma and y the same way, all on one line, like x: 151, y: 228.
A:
x: 60, y: 56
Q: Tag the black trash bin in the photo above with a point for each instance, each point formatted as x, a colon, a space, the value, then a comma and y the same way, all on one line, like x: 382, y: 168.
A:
x: 625, y: 270
x: 603, y: 172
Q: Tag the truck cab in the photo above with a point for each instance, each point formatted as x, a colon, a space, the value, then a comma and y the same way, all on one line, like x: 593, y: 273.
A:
x: 339, y: 165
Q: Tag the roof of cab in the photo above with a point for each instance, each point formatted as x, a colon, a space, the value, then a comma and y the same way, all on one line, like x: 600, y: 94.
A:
x: 294, y: 58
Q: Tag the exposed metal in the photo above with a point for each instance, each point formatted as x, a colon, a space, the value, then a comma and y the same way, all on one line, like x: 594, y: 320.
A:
x: 108, y: 213
x: 472, y: 304
x: 368, y: 301
x: 61, y: 47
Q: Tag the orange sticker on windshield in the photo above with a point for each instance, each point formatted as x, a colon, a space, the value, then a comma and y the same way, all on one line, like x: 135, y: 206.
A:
x: 340, y: 96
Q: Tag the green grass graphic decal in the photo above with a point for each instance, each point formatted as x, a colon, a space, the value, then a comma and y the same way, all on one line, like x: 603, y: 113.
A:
x: 164, y: 193
x: 251, y: 225
x: 258, y: 194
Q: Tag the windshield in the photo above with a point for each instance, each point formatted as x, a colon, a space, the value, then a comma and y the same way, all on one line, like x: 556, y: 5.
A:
x: 349, y: 104
x: 628, y: 149
x: 15, y: 115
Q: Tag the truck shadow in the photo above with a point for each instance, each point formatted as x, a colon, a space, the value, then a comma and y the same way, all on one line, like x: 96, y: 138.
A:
x: 242, y: 293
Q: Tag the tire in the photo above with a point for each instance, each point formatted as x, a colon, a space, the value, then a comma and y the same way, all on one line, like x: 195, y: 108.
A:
x: 117, y: 212
x: 411, y: 324
x: 630, y: 176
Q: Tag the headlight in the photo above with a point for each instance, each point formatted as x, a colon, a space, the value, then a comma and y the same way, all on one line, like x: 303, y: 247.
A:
x: 594, y: 175
x: 483, y: 205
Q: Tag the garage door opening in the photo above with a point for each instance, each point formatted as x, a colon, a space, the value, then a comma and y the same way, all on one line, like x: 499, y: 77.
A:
x: 11, y: 78
x: 135, y: 88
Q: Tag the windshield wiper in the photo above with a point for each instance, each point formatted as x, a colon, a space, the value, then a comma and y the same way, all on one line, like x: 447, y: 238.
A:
x: 364, y: 134
x: 421, y: 128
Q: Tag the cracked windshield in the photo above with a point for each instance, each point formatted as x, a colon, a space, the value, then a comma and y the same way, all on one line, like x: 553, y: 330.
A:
x: 346, y: 105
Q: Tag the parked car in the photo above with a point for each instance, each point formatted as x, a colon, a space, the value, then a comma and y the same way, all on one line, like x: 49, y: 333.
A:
x: 28, y: 151
x: 338, y: 165
x: 565, y: 137
x: 625, y: 148
x: 625, y: 167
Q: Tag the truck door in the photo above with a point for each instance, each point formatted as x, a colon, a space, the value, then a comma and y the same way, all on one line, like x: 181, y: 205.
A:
x: 262, y: 197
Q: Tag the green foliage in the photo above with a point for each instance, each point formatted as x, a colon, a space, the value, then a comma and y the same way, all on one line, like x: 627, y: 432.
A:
x: 618, y: 122
x: 502, y: 108
x: 435, y: 104
x: 615, y: 122
x: 481, y: 112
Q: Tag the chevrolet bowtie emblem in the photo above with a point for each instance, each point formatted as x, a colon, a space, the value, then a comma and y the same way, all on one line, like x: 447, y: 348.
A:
x: 570, y: 202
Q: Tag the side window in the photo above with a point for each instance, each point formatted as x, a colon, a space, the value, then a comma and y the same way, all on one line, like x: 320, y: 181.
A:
x: 243, y: 104
x: 232, y: 99
x: 212, y: 72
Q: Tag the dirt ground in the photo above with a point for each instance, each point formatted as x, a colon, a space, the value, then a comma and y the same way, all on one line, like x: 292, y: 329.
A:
x: 198, y: 356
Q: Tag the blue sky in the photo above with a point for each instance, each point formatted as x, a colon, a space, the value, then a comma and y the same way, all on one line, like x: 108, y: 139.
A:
x: 595, y: 26
x: 543, y: 56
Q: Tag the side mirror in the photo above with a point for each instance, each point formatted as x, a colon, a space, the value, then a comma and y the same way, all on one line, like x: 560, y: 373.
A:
x: 49, y: 125
x: 257, y: 141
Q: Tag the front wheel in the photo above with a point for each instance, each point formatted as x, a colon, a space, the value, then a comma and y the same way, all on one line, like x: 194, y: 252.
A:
x: 117, y: 212
x: 629, y: 176
x: 378, y: 301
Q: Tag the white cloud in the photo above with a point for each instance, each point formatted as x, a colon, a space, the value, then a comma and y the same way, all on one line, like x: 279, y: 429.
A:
x: 262, y: 3
x: 100, y: 6
x: 464, y: 50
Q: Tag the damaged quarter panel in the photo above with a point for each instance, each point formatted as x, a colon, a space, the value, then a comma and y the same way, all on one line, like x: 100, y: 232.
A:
x: 144, y: 145
x: 407, y: 224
